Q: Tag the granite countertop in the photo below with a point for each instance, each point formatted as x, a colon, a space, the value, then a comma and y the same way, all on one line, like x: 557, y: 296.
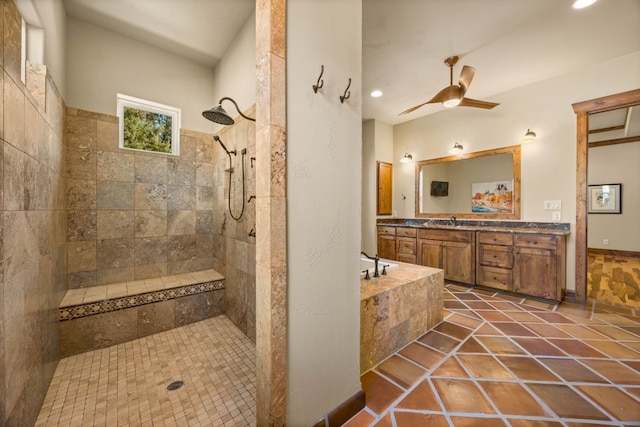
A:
x: 557, y: 228
x: 405, y: 273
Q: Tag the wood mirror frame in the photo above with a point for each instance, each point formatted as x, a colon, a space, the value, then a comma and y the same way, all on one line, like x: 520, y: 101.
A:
x: 514, y: 150
x: 583, y: 110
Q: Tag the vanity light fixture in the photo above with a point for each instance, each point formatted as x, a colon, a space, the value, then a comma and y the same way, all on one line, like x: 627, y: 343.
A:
x: 376, y: 93
x: 529, y: 136
x: 581, y: 4
x: 406, y: 158
x: 457, y: 149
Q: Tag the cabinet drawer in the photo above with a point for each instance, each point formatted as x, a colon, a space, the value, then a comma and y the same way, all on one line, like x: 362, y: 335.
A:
x: 411, y: 259
x: 386, y: 231
x: 446, y: 235
x: 406, y: 232
x: 495, y: 238
x: 500, y: 278
x: 546, y: 241
x: 406, y: 245
x: 497, y: 256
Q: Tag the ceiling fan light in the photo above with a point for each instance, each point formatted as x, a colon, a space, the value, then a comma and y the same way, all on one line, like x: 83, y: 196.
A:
x: 581, y: 4
x: 450, y: 103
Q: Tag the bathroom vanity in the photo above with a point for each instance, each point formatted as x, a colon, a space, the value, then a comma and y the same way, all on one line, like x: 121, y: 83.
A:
x: 525, y: 258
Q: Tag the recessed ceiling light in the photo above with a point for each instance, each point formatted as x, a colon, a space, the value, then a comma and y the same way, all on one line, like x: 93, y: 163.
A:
x: 376, y: 93
x: 581, y: 4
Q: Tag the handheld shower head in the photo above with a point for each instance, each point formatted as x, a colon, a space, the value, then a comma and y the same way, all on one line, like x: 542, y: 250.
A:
x: 229, y: 153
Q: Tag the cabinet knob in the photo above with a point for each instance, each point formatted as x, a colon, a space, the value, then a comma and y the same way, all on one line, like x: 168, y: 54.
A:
x: 494, y: 239
x: 494, y: 278
x: 495, y: 256
x: 535, y: 242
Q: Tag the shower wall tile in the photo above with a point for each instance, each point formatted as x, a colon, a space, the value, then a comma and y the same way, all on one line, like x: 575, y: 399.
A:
x: 204, y: 245
x: 150, y: 250
x: 188, y: 144
x: 114, y: 253
x: 115, y: 327
x: 80, y: 132
x: 115, y: 166
x: 81, y: 164
x: 81, y: 225
x: 204, y: 174
x: 115, y: 224
x: 154, y: 318
x: 150, y: 196
x: 81, y: 256
x: 82, y: 279
x: 181, y: 248
x: 181, y: 172
x: 14, y: 174
x: 30, y: 129
x: 114, y: 195
x: 181, y: 197
x: 191, y: 309
x: 150, y: 223
x: 12, y: 40
x: 205, y: 198
x: 107, y: 134
x: 204, y: 221
x: 179, y: 267
x: 81, y: 194
x: 150, y: 169
x: 181, y: 223
x: 114, y: 275
x: 149, y: 271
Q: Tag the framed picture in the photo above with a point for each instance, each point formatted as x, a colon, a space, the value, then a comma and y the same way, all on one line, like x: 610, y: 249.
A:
x: 492, y: 197
x: 605, y: 198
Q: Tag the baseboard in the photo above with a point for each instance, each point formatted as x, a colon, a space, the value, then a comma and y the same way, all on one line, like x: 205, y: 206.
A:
x: 343, y: 412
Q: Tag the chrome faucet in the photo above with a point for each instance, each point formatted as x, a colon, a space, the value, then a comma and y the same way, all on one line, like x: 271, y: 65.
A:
x: 375, y: 260
x: 452, y: 220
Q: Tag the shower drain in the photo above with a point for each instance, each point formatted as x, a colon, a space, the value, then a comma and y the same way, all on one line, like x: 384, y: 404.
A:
x: 175, y: 385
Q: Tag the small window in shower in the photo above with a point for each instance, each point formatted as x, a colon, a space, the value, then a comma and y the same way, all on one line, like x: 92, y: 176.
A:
x: 148, y: 126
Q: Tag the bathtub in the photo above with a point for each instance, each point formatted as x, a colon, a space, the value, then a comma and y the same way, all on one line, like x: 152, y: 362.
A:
x: 369, y: 264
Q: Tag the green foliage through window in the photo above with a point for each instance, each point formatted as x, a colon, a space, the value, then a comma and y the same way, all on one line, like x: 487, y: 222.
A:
x: 148, y: 131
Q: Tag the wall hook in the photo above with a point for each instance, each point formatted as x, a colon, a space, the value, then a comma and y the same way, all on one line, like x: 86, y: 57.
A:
x: 347, y: 94
x: 250, y: 198
x: 252, y: 233
x: 320, y: 83
x: 253, y: 159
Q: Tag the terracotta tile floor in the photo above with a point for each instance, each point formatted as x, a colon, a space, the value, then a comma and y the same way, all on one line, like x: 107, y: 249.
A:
x: 498, y: 360
x: 126, y: 384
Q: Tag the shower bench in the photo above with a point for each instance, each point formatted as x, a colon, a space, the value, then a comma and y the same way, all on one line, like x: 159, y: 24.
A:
x: 101, y: 316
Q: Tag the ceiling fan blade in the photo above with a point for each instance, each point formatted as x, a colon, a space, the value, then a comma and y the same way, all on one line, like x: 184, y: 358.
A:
x: 465, y: 78
x: 414, y: 108
x: 446, y: 93
x: 468, y: 102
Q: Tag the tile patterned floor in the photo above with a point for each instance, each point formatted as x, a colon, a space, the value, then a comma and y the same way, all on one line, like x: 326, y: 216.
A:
x: 126, y: 384
x: 497, y: 360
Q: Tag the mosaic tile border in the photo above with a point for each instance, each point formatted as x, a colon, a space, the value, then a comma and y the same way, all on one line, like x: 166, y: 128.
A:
x: 113, y: 304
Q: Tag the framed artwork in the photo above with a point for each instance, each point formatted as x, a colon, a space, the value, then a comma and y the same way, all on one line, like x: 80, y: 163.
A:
x: 604, y: 198
x: 492, y: 197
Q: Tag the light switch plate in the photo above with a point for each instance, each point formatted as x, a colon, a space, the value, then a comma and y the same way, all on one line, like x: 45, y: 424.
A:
x: 553, y: 204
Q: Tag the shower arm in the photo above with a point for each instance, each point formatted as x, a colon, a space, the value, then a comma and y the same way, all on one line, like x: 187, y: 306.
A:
x: 237, y: 108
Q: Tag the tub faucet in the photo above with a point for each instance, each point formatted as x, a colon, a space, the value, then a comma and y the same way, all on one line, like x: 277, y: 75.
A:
x: 375, y: 260
x: 452, y: 220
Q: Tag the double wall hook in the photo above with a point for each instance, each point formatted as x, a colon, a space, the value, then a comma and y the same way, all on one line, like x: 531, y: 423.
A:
x: 320, y: 83
x: 347, y: 94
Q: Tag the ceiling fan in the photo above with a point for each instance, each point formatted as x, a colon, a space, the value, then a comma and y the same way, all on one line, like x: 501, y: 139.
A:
x: 453, y: 95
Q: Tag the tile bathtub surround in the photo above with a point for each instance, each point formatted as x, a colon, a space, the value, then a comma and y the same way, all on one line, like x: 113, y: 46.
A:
x: 126, y: 384
x: 499, y: 360
x: 101, y: 316
x: 32, y: 223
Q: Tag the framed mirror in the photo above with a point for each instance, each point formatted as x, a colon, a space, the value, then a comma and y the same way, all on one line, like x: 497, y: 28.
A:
x: 480, y: 185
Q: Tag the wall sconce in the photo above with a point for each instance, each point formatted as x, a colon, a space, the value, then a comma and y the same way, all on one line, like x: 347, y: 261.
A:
x: 457, y: 149
x: 529, y: 136
x: 406, y: 158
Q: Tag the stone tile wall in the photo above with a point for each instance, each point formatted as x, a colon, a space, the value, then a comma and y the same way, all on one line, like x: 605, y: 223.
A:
x: 32, y: 228
x: 134, y: 215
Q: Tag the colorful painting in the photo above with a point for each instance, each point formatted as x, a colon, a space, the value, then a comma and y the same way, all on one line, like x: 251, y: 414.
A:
x: 492, y: 197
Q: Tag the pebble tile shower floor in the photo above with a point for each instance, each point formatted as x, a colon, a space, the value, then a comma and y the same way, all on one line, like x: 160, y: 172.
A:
x: 498, y: 360
x: 126, y: 384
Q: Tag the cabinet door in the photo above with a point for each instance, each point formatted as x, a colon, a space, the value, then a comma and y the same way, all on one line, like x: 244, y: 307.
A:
x: 385, y: 185
x: 458, y: 262
x: 535, y: 272
x: 430, y: 253
x: 387, y: 247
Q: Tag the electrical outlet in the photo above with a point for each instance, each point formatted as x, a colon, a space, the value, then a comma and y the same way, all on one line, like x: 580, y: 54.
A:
x: 556, y: 216
x: 605, y: 242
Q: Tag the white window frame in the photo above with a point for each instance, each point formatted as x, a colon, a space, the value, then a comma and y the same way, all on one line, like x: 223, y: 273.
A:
x: 152, y: 107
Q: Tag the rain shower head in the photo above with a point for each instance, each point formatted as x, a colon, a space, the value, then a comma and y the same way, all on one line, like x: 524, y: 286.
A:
x: 218, y: 114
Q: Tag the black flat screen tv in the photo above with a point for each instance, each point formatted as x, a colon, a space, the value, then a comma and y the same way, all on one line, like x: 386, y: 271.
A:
x: 439, y: 188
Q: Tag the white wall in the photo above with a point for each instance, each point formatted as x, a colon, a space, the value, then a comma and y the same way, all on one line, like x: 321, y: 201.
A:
x: 101, y: 64
x: 548, y: 163
x: 613, y: 164
x: 324, y: 149
x: 53, y: 20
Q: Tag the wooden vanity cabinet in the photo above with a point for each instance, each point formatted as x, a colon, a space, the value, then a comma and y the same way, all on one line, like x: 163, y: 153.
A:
x: 451, y: 250
x: 527, y: 263
x: 386, y: 242
x: 539, y: 265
